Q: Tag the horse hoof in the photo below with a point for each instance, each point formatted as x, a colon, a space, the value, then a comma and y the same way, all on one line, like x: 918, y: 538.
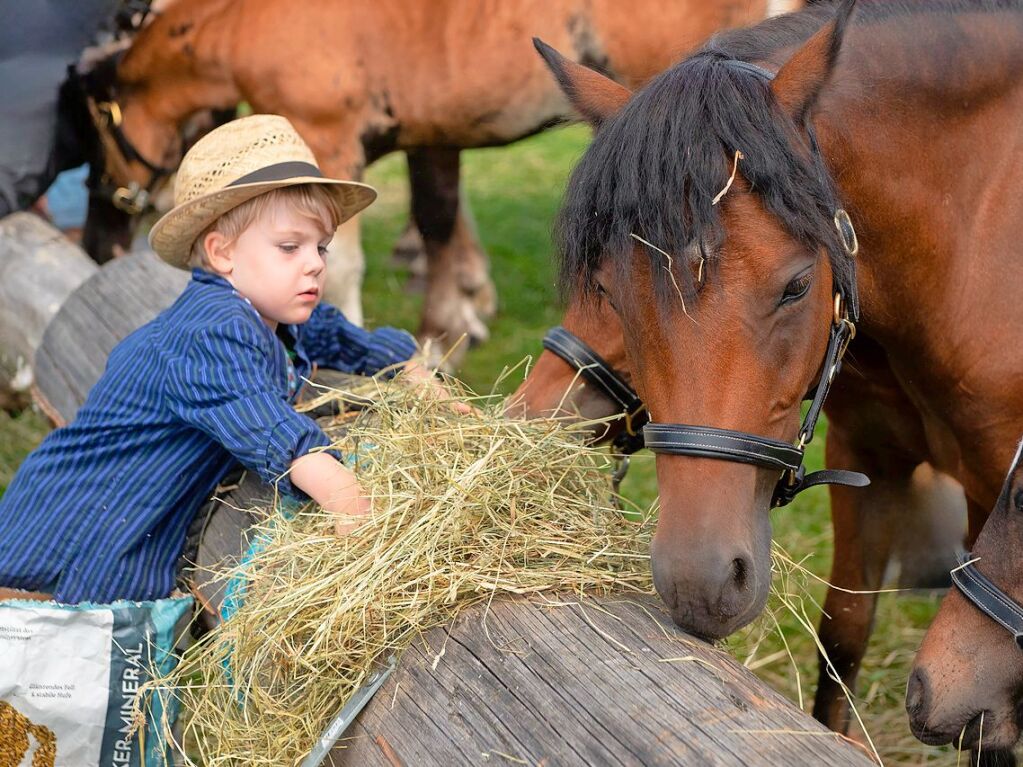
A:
x: 409, y: 249
x: 415, y: 285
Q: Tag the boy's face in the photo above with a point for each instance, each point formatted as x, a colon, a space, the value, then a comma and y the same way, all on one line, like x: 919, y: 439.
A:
x: 279, y: 264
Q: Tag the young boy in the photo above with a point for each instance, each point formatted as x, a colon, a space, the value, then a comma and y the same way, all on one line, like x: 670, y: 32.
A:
x: 100, y: 510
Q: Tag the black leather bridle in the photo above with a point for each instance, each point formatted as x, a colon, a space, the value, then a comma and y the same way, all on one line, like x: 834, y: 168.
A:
x: 131, y: 199
x: 988, y: 598
x: 741, y: 447
x: 609, y: 382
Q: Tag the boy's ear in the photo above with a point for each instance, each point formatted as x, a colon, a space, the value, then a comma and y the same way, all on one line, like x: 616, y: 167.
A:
x: 218, y: 253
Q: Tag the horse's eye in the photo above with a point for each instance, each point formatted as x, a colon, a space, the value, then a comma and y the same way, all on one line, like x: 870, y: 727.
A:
x: 797, y: 288
x: 602, y: 293
x: 1017, y: 499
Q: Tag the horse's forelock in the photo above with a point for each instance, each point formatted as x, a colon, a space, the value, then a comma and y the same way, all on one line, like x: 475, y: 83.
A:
x: 655, y: 169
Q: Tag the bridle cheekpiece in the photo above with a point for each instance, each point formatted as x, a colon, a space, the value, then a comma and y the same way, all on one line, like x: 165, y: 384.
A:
x: 766, y: 452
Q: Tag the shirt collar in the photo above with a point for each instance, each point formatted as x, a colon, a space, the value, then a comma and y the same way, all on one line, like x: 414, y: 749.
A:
x: 201, y: 275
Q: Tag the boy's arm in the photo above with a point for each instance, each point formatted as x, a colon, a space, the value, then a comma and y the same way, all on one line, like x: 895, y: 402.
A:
x: 331, y: 341
x: 224, y: 387
x: 332, y: 486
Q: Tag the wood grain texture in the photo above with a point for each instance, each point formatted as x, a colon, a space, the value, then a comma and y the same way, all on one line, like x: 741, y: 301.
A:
x: 605, y: 681
x: 39, y: 269
x: 125, y: 294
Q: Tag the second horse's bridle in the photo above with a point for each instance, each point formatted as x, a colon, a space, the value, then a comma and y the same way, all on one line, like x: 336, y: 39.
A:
x: 609, y: 382
x: 988, y: 598
x: 131, y: 199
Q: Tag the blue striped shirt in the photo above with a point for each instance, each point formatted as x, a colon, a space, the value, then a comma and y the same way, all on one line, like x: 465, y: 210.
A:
x: 100, y: 509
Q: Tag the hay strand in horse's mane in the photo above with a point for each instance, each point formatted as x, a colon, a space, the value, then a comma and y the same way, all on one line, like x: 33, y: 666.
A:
x: 731, y: 179
x: 669, y: 268
x: 466, y: 508
x: 657, y: 169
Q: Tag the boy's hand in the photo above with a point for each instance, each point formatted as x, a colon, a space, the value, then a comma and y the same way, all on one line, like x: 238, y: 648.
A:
x: 334, y: 487
x: 432, y: 386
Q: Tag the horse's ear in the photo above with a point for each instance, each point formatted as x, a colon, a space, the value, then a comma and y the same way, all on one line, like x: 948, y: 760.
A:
x: 595, y: 96
x: 800, y: 80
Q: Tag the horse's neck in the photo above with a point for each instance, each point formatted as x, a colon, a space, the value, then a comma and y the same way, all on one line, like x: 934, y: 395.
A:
x: 184, y: 58
x: 921, y: 135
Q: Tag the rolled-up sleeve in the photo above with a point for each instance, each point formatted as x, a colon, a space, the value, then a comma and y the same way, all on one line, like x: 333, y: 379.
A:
x: 225, y: 387
x: 331, y: 341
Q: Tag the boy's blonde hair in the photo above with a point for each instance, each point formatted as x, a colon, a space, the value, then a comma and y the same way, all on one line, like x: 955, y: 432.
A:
x: 308, y: 200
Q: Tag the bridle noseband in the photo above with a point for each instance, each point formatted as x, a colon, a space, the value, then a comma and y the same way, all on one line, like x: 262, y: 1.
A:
x: 741, y: 447
x: 133, y: 198
x: 591, y: 366
x: 988, y: 598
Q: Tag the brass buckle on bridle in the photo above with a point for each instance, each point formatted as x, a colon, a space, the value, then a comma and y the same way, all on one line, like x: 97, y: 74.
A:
x: 792, y: 474
x: 111, y: 112
x: 131, y: 199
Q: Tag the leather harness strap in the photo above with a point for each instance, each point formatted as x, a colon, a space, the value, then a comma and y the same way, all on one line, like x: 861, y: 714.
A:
x: 726, y: 445
x: 769, y: 453
x: 988, y: 598
x: 595, y: 369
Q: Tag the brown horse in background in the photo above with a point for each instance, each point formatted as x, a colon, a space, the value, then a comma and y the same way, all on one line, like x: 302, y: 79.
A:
x: 361, y: 79
x: 733, y: 172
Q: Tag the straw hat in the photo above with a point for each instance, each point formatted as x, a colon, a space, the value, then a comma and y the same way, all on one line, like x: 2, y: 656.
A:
x: 234, y: 163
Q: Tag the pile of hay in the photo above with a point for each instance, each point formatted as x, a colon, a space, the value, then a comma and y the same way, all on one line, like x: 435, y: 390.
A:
x: 466, y: 508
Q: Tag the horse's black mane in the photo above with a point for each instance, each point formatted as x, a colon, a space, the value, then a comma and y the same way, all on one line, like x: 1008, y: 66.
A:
x: 654, y: 169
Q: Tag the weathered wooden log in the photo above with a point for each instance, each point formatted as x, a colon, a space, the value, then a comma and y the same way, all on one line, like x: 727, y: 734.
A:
x: 39, y: 269
x: 599, y: 682
x: 125, y: 294
x: 606, y: 681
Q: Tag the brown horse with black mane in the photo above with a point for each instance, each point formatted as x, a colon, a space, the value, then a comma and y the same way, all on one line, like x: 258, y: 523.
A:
x: 360, y: 79
x: 717, y: 191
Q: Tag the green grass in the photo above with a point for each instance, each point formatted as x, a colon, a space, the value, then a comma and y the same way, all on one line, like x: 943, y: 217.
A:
x: 514, y: 193
x: 18, y: 435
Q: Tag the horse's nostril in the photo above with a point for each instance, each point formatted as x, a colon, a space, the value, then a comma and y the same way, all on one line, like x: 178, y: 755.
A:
x: 740, y: 572
x: 916, y: 693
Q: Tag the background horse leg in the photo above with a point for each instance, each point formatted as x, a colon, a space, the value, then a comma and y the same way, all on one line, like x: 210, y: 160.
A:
x: 917, y: 515
x: 930, y: 531
x: 410, y: 252
x: 864, y: 522
x: 347, y: 265
x: 459, y: 293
